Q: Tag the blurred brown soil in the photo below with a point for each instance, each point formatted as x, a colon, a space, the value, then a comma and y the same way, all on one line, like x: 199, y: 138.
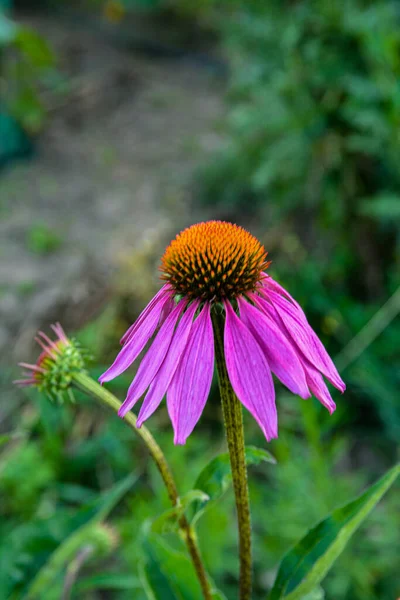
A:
x: 112, y: 174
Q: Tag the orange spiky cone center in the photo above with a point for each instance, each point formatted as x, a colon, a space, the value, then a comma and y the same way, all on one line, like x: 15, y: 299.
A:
x: 214, y: 261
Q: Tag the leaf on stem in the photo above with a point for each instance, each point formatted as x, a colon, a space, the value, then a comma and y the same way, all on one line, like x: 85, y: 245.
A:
x: 216, y: 477
x: 168, y: 520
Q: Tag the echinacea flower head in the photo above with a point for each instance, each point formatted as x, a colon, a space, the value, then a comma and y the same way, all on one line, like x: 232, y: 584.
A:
x: 53, y: 371
x: 219, y: 268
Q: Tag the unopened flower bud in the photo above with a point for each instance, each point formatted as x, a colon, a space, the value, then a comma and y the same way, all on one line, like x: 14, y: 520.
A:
x: 55, y: 367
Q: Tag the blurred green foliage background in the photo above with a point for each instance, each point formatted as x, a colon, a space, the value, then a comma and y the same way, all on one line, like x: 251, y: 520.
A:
x: 310, y: 161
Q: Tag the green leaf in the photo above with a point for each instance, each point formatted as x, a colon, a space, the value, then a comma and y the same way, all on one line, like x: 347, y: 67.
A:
x: 28, y: 109
x: 317, y: 594
x: 385, y: 207
x: 108, y: 581
x: 111, y: 498
x: 304, y: 567
x: 216, y: 477
x: 34, y: 47
x: 168, y: 520
x: 167, y: 574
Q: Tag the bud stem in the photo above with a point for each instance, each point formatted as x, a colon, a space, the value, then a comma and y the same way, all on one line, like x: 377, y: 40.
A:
x: 91, y: 387
x: 232, y: 410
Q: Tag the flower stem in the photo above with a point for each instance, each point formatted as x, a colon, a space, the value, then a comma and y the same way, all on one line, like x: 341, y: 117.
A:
x: 91, y: 387
x: 232, y: 411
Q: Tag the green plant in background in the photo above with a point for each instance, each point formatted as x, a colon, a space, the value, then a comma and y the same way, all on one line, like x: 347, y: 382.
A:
x: 312, y: 147
x: 26, y: 65
x: 24, y: 476
x: 42, y: 239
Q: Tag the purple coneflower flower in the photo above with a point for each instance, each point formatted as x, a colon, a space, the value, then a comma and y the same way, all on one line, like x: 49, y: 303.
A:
x: 53, y: 371
x: 218, y: 266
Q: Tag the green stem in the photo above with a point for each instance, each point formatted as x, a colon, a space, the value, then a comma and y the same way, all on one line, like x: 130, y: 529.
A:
x: 91, y: 387
x: 232, y: 411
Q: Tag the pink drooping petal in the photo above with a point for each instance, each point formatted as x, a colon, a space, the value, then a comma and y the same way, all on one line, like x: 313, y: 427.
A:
x: 190, y: 386
x: 318, y: 387
x: 278, y: 350
x: 153, y: 359
x: 158, y: 387
x: 270, y: 284
x: 166, y: 289
x: 168, y: 307
x: 303, y: 337
x: 249, y: 373
x: 133, y: 347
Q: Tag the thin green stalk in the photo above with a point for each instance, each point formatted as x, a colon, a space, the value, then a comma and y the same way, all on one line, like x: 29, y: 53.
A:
x: 232, y: 411
x: 91, y: 387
